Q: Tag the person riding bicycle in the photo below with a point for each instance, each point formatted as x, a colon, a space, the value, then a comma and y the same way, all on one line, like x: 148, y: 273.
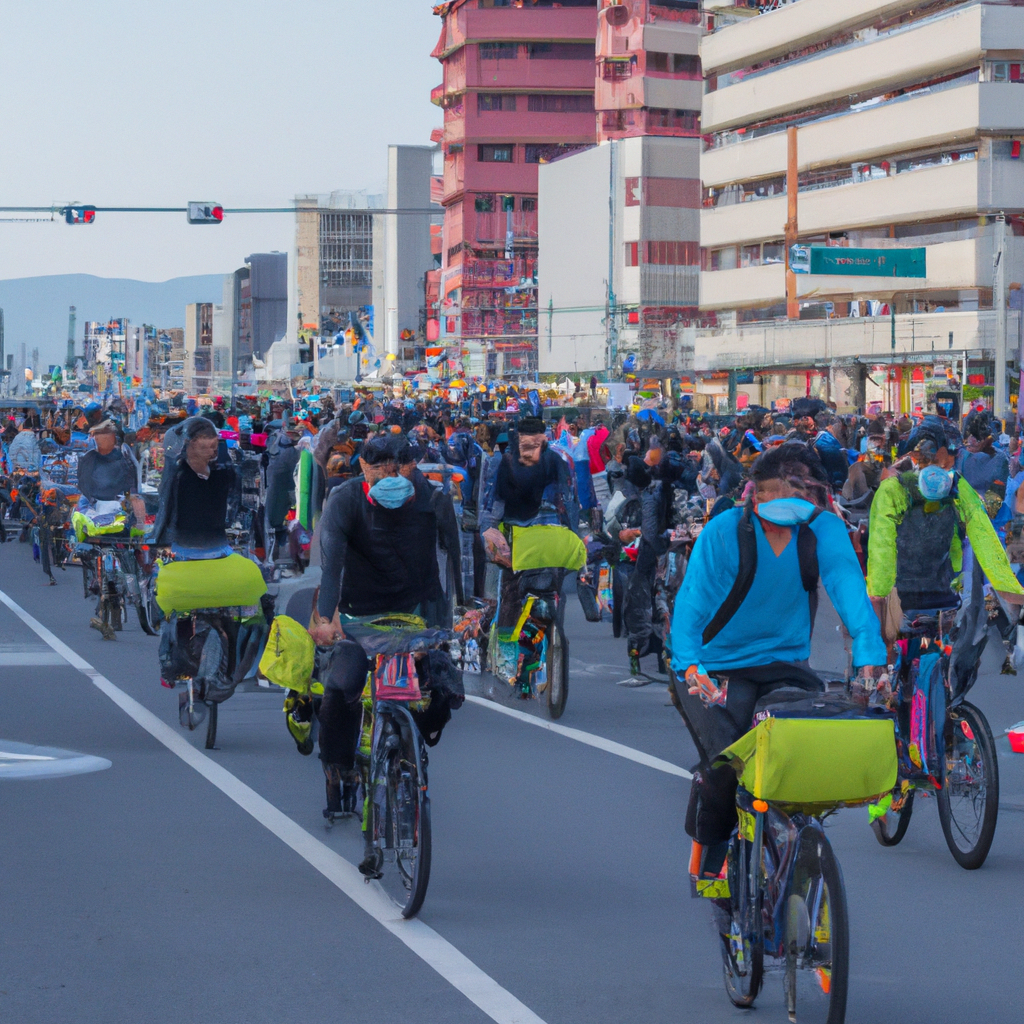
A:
x: 533, y: 488
x: 920, y: 521
x: 379, y: 536
x: 743, y: 617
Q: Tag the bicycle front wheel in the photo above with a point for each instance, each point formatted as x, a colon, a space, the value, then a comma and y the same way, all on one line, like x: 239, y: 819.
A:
x: 892, y: 826
x: 969, y: 800
x: 557, y: 671
x: 149, y: 611
x: 407, y: 827
x: 817, y: 935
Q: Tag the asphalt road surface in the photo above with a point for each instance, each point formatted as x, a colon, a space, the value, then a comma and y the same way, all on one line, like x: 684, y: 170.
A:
x: 182, y: 885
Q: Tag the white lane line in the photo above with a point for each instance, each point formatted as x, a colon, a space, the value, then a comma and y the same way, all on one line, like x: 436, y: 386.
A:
x: 589, y: 738
x: 457, y: 969
x: 26, y: 659
x: 7, y: 756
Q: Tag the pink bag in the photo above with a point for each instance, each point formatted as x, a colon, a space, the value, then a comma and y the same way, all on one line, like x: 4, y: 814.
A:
x: 395, y: 678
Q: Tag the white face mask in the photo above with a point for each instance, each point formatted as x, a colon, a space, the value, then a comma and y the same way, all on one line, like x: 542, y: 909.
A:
x: 785, y: 511
x: 934, y: 482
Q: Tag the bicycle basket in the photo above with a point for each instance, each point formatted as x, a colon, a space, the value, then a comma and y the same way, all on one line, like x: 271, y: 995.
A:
x: 814, y: 764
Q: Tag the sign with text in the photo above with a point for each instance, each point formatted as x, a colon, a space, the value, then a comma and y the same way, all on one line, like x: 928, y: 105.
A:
x: 843, y: 262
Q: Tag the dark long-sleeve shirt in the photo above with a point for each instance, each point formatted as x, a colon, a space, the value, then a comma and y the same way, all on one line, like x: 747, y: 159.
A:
x: 105, y: 477
x: 374, y: 559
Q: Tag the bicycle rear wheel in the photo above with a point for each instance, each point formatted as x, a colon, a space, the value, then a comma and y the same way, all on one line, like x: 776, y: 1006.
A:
x: 407, y: 825
x: 743, y: 943
x: 969, y: 800
x: 892, y: 826
x: 557, y: 670
x: 817, y: 935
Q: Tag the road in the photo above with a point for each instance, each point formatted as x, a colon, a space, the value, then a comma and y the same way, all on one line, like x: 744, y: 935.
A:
x: 182, y: 885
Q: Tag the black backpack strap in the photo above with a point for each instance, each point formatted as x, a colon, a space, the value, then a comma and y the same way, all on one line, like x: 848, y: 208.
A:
x: 807, y: 553
x: 747, y: 542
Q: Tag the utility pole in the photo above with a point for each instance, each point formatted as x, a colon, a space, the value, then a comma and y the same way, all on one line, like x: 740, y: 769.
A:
x: 1000, y: 399
x: 792, y: 184
x: 611, y: 327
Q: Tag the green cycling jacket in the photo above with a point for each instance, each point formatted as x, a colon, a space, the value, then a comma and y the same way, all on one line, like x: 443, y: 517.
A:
x: 891, y: 502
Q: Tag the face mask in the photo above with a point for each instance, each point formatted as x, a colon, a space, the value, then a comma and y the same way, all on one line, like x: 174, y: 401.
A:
x: 786, y: 511
x: 934, y: 482
x: 392, y: 491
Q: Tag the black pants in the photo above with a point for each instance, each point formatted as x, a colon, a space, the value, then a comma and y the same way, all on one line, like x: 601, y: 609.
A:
x: 341, y: 711
x: 711, y: 815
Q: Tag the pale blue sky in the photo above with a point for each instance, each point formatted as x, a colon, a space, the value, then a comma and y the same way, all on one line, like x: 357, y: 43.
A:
x: 157, y: 102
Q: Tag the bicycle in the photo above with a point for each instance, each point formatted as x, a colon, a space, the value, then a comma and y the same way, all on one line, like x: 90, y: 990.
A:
x: 780, y: 892
x: 964, y: 777
x: 121, y: 573
x: 533, y: 655
x: 392, y: 759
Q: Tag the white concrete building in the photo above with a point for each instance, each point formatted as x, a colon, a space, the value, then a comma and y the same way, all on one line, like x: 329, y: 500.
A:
x: 621, y: 212
x: 909, y: 119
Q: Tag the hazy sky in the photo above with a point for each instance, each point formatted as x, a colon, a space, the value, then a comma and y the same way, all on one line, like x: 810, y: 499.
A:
x: 158, y: 102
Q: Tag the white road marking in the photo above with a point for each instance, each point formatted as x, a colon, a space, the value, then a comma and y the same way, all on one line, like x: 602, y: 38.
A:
x: 457, y: 969
x: 7, y: 756
x: 24, y: 659
x: 589, y: 738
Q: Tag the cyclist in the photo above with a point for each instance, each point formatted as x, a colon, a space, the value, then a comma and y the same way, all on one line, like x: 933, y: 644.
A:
x: 743, y: 617
x: 920, y: 519
x: 378, y: 540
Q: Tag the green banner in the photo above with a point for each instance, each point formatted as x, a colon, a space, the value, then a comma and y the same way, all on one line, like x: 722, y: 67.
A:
x: 844, y: 262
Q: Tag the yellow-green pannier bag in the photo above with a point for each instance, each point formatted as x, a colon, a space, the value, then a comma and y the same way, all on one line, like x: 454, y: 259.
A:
x: 209, y: 583
x: 546, y: 547
x: 288, y: 657
x: 815, y: 763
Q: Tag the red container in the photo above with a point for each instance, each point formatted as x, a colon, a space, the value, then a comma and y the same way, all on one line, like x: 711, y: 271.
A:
x: 1015, y: 734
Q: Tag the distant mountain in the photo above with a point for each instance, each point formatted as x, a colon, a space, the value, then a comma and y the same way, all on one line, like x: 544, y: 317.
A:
x: 36, y: 308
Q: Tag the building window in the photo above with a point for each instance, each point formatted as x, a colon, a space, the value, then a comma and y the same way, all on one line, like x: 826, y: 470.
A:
x: 560, y: 51
x: 720, y: 259
x: 508, y: 203
x: 1003, y: 71
x: 632, y: 254
x: 499, y: 51
x: 484, y: 203
x: 495, y: 101
x: 528, y: 204
x: 687, y: 120
x: 681, y: 64
x: 545, y: 103
x: 616, y: 68
x: 544, y: 154
x: 494, y: 154
x: 632, y: 191
x: 674, y: 254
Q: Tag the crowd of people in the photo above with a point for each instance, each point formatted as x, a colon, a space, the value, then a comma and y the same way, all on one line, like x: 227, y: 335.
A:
x: 678, y: 523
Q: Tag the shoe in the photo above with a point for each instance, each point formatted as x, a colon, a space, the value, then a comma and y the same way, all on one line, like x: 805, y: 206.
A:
x: 103, y: 628
x: 370, y: 865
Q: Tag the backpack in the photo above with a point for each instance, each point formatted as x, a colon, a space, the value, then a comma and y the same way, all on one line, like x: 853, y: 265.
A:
x: 288, y: 658
x: 807, y: 553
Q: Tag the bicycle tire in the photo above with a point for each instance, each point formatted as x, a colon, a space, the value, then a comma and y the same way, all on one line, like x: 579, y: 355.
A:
x: 557, y: 671
x: 408, y: 822
x: 148, y: 609
x: 892, y: 827
x: 817, y: 975
x: 743, y: 974
x: 969, y: 851
x: 211, y: 725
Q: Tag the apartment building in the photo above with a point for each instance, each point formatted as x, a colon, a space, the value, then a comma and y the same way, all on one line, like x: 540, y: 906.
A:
x: 906, y: 118
x: 630, y: 291
x: 517, y: 92
x: 198, y: 355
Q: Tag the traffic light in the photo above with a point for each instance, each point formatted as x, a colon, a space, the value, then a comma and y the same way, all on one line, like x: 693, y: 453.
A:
x: 79, y: 214
x: 205, y: 213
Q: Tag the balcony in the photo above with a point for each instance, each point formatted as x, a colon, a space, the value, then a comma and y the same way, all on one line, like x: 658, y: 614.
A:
x: 566, y: 24
x: 492, y: 227
x: 536, y: 126
x: 753, y: 40
x: 938, y: 46
x: 952, y: 266
x: 941, y: 117
x: 945, y: 192
x: 524, y: 73
x: 920, y: 337
x: 672, y: 94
